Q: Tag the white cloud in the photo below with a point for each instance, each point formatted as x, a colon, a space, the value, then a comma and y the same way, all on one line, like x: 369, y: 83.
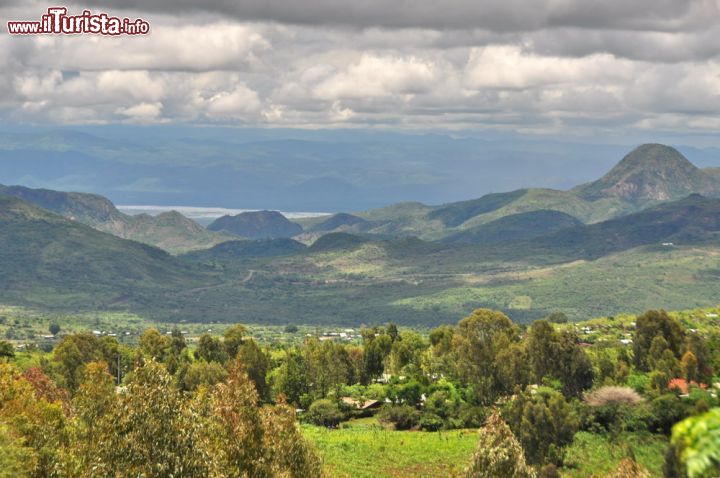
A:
x: 233, y: 104
x: 376, y: 76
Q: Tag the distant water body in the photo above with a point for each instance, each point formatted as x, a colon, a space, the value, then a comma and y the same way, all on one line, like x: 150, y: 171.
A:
x: 205, y: 215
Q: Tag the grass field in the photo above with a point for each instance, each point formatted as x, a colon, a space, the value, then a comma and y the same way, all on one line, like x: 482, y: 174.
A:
x: 594, y: 456
x: 363, y: 449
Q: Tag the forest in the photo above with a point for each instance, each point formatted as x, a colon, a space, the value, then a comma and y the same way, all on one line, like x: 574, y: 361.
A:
x: 529, y: 397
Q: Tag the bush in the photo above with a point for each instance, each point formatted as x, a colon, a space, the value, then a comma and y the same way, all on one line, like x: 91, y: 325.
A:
x: 325, y: 413
x: 404, y: 417
x: 640, y: 382
x: 612, y: 395
x: 471, y: 416
x: 439, y: 404
x: 667, y: 410
x: 431, y: 422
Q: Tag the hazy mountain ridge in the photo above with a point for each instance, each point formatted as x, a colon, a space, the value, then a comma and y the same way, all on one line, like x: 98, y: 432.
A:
x: 515, y: 256
x: 646, y: 176
x: 170, y: 231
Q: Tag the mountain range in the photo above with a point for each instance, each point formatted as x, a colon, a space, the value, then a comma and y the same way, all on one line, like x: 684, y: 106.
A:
x: 170, y: 231
x: 527, y: 252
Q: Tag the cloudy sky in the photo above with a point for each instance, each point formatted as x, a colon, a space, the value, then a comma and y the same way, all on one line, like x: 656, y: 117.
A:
x: 592, y: 67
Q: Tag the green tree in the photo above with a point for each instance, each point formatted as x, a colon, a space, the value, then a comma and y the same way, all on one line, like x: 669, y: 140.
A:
x: 202, y: 373
x: 211, y: 349
x: 698, y: 440
x: 234, y: 431
x: 689, y: 366
x: 76, y: 350
x: 291, y: 378
x: 652, y: 324
x: 94, y: 400
x: 557, y: 355
x: 54, y: 328
x: 256, y: 364
x: 7, y: 351
x: 291, y: 455
x: 377, y: 348
x: 34, y: 421
x: 152, y: 432
x: 498, y: 453
x: 154, y: 345
x: 477, y: 341
x: 233, y: 339
x: 544, y: 423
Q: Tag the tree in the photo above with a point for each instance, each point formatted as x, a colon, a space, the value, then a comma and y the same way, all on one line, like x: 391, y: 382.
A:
x: 689, y: 367
x: 557, y: 355
x: 36, y: 423
x: 325, y: 413
x: 652, y: 324
x: 377, y: 348
x: 256, y: 364
x: 7, y: 351
x: 233, y: 339
x: 94, y: 400
x: 54, y: 328
x: 328, y: 367
x: 291, y: 455
x: 557, y: 318
x: 202, y: 373
x: 176, y: 351
x: 291, y: 378
x: 699, y: 347
x: 544, y: 423
x: 698, y: 442
x: 234, y: 430
x: 477, y: 341
x: 211, y: 349
x: 76, y: 350
x: 154, y: 345
x: 498, y: 453
x: 152, y: 432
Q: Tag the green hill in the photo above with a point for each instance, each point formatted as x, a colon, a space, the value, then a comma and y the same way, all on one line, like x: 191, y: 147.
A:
x: 48, y: 260
x: 237, y: 250
x: 170, y: 231
x: 454, y: 214
x: 649, y: 173
x: 336, y: 241
x: 514, y: 227
x: 257, y: 225
x: 689, y: 221
x: 342, y: 221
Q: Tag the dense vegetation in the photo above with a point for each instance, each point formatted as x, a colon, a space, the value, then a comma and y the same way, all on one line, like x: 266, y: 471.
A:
x: 550, y: 399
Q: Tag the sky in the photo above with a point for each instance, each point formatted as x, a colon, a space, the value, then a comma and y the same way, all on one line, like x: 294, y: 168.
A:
x: 592, y: 68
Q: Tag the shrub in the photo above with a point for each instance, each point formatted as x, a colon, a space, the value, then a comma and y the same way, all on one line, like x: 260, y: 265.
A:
x: 325, y: 413
x: 404, y: 417
x: 667, y: 410
x: 431, y: 422
x: 471, y: 416
x: 498, y: 453
x: 612, y: 395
